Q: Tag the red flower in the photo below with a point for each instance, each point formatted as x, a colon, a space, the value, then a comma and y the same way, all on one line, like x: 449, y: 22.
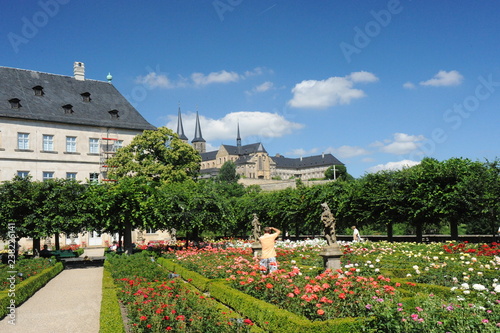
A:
x: 342, y: 295
x: 320, y: 312
x: 168, y: 328
x: 269, y: 286
x: 143, y: 318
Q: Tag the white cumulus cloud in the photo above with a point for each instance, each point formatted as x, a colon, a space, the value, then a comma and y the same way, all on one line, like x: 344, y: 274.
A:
x: 223, y: 76
x: 444, y: 78
x: 320, y: 94
x: 266, y: 86
x: 252, y: 124
x: 154, y: 80
x: 302, y: 152
x: 392, y: 166
x: 347, y: 151
x: 401, y: 144
x: 409, y: 85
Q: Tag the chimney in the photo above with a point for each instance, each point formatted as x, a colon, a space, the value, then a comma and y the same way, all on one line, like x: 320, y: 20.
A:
x: 79, y: 71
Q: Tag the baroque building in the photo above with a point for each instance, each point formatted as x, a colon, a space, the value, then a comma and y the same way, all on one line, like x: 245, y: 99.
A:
x: 57, y: 126
x: 253, y: 161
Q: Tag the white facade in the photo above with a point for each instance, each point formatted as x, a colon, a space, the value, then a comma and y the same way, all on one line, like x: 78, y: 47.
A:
x: 60, y: 150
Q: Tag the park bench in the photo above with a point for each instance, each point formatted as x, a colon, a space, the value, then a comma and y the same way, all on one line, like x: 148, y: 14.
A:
x: 64, y: 254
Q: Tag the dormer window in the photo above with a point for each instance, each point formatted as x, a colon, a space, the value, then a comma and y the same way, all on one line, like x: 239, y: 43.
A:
x: 38, y: 90
x: 114, y: 114
x: 86, y: 96
x: 15, y: 103
x: 68, y: 109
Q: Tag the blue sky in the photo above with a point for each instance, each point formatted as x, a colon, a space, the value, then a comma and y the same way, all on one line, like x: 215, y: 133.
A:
x: 379, y: 84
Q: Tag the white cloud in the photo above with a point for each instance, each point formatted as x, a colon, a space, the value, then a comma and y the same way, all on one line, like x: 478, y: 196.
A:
x: 444, y: 78
x: 257, y: 71
x: 362, y: 77
x: 252, y: 124
x: 402, y: 144
x: 302, y: 152
x: 409, y: 85
x: 347, y: 151
x: 223, y: 76
x: 159, y: 80
x: 392, y: 166
x: 320, y: 94
x: 268, y: 85
x: 154, y: 80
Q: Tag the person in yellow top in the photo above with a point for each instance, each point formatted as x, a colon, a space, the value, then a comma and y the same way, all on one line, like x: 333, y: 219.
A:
x: 268, y: 257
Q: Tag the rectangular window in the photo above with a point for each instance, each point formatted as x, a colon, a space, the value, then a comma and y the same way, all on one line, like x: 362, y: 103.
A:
x: 118, y: 144
x: 23, y: 174
x: 48, y: 175
x: 71, y: 144
x: 48, y: 143
x: 94, y: 177
x: 94, y: 146
x: 71, y: 175
x: 23, y: 141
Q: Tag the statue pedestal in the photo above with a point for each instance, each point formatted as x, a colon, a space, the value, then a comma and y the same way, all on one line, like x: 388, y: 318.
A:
x: 256, y: 249
x: 331, y: 257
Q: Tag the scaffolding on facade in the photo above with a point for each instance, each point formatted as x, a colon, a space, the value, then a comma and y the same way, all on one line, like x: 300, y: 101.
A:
x: 108, y: 146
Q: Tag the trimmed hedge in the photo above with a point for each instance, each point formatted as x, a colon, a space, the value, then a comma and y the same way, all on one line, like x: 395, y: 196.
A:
x: 27, y: 288
x: 111, y: 320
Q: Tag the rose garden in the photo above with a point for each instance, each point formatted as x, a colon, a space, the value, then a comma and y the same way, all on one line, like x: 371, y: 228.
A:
x: 209, y: 279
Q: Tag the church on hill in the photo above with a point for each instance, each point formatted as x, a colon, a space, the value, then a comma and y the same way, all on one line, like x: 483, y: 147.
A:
x: 252, y: 160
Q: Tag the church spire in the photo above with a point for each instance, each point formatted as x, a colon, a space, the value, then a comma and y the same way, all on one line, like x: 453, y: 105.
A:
x: 198, y: 141
x: 180, y: 128
x: 238, y: 140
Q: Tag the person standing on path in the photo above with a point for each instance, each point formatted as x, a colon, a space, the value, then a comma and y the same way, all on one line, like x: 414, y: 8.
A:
x: 268, y: 257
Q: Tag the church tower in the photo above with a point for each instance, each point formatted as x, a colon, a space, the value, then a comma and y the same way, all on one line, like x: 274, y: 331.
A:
x: 198, y: 142
x: 180, y: 128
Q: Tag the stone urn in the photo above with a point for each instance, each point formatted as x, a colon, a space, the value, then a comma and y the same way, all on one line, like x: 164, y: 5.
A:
x: 331, y: 256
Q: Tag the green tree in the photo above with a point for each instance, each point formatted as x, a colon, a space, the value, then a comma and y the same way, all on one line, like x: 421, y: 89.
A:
x: 338, y: 172
x: 156, y: 155
x: 59, y: 207
x: 228, y: 173
x: 17, y: 208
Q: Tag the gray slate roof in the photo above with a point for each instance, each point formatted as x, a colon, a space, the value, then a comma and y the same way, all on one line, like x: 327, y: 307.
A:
x: 59, y: 90
x: 306, y: 162
x: 233, y: 150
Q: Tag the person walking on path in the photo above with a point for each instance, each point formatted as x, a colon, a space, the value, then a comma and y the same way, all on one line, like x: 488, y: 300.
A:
x: 355, y: 234
x: 268, y: 257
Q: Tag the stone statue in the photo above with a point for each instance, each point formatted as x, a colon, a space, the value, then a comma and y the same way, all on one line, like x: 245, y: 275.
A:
x: 256, y: 228
x: 329, y: 221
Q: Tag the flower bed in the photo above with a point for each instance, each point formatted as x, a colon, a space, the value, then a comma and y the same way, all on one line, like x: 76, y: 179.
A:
x: 24, y: 268
x: 157, y: 301
x: 445, y: 288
